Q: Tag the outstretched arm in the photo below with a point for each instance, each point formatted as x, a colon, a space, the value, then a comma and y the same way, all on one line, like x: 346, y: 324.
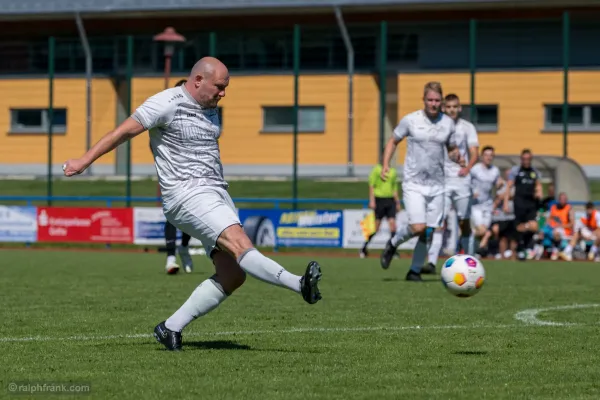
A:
x: 124, y: 132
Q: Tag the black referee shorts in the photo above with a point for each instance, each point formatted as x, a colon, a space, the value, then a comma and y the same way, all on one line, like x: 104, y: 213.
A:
x: 385, y: 207
x: 525, y: 211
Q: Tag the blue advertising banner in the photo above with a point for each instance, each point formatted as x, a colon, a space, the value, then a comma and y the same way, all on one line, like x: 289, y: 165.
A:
x: 18, y: 224
x: 284, y: 228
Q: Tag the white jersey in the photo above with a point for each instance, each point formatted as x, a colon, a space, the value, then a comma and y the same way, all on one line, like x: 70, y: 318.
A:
x: 466, y: 137
x: 184, y: 140
x: 426, y: 149
x: 483, y: 182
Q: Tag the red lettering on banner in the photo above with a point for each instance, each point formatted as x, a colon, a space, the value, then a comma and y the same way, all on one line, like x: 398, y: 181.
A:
x: 100, y: 225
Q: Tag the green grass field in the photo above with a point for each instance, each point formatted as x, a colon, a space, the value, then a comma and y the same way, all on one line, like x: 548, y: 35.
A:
x: 87, y: 318
x: 148, y: 188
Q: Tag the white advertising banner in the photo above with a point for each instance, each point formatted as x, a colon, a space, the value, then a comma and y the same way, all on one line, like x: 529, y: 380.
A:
x: 149, y: 227
x: 359, y: 223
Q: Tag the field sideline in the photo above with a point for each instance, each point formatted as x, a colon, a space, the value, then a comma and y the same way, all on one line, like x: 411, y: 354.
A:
x: 238, y: 189
x: 87, y: 318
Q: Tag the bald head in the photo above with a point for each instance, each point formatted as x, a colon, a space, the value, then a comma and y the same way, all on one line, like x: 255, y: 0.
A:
x: 208, y: 66
x: 207, y: 81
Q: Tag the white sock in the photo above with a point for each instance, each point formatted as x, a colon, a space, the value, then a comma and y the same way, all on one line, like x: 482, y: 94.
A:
x: 267, y: 270
x: 402, y: 235
x: 569, y: 249
x: 436, y: 246
x: 205, y: 298
x: 594, y: 249
x: 467, y: 244
x: 419, y: 256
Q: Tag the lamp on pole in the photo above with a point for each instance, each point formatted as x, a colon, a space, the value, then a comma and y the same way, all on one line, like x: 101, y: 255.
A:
x: 169, y: 37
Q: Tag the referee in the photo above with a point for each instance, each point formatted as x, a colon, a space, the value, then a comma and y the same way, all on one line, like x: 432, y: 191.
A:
x: 384, y: 200
x: 527, y: 194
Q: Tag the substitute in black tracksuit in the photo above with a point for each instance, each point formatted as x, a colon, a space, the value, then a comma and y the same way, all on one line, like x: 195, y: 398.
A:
x: 527, y: 194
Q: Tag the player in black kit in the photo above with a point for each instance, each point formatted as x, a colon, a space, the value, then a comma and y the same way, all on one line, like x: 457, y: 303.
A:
x: 528, y: 193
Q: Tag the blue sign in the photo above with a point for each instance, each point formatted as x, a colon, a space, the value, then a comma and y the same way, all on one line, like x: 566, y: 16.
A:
x: 283, y: 228
x: 18, y: 224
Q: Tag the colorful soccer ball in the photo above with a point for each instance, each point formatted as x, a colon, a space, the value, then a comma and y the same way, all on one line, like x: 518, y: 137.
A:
x: 463, y: 275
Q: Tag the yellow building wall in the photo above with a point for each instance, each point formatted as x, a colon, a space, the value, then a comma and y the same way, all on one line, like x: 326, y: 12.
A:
x: 520, y: 97
x: 20, y: 148
x: 242, y: 141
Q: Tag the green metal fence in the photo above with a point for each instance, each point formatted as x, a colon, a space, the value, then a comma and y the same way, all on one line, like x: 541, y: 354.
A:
x: 382, y: 50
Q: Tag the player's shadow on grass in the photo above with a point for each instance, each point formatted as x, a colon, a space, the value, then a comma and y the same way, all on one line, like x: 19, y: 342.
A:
x: 228, y: 345
x: 217, y: 345
x: 470, y: 353
x: 401, y: 279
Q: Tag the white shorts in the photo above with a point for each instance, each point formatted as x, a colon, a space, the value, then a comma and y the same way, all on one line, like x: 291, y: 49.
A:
x: 203, y: 212
x: 586, y: 233
x: 422, y: 208
x: 481, y: 215
x: 460, y: 197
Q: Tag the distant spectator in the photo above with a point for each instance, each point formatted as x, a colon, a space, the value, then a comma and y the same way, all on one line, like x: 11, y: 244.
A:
x: 559, y: 225
x: 586, y: 228
x: 549, y: 200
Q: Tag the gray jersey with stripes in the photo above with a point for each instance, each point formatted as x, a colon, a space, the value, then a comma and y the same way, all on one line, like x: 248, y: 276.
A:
x: 184, y: 140
x: 483, y: 182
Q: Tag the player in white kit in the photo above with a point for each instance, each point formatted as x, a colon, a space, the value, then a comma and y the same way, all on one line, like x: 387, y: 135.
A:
x: 430, y: 136
x: 184, y: 131
x: 458, y: 182
x: 485, y: 179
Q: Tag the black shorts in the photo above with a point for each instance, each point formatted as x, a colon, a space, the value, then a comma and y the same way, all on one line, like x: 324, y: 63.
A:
x: 385, y: 207
x: 525, y: 211
x: 506, y: 229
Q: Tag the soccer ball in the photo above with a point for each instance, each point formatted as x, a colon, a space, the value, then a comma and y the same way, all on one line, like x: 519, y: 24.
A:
x: 463, y: 275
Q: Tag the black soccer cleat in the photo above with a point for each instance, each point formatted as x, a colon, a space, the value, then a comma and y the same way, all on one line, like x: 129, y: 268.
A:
x: 387, y: 255
x: 428, y: 269
x: 413, y: 276
x: 308, y: 283
x: 168, y: 338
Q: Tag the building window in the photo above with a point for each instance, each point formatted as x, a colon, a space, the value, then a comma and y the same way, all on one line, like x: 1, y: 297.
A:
x: 36, y: 120
x: 277, y: 119
x: 580, y: 118
x: 485, y: 118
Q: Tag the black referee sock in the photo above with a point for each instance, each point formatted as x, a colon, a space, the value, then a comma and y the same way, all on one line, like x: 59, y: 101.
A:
x: 185, y: 239
x: 364, y: 248
x: 170, y: 238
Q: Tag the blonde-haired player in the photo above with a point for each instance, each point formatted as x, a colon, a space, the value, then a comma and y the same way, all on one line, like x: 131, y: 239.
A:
x: 458, y: 181
x: 429, y: 134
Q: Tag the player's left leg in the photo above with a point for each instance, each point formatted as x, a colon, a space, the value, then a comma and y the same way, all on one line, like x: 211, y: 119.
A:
x: 433, y: 219
x: 437, y: 239
x: 205, y: 298
x: 462, y: 204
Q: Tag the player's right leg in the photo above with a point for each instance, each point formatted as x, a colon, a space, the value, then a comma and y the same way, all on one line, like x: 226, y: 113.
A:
x: 415, y: 206
x: 235, y: 241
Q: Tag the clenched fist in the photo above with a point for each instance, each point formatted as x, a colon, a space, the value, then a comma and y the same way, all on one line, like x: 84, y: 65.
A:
x: 73, y: 167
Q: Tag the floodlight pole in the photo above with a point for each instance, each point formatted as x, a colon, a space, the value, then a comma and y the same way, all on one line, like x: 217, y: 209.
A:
x: 350, y: 58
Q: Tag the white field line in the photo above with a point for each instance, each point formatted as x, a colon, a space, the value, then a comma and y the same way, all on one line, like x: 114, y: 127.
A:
x: 84, y: 338
x: 530, y: 316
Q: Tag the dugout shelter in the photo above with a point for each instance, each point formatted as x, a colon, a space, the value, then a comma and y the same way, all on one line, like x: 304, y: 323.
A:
x: 566, y: 174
